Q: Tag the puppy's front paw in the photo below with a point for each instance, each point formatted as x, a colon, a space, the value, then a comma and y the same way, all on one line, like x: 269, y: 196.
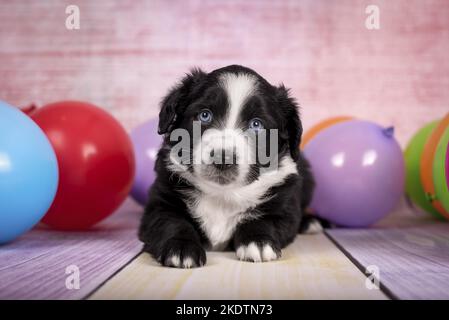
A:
x: 258, y: 252
x: 183, y: 254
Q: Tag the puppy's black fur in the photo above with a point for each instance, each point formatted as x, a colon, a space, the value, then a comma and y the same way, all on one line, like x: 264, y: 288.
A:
x: 168, y: 227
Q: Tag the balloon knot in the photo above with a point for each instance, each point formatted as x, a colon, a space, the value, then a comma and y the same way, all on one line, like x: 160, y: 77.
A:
x: 389, y: 132
x: 431, y: 197
x: 28, y: 110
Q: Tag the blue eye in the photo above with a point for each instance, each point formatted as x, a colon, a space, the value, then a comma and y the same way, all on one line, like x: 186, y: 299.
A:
x: 256, y: 124
x: 205, y: 116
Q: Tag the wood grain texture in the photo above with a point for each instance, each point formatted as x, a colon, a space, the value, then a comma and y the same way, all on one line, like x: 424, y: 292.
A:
x: 129, y: 52
x: 311, y: 268
x: 413, y: 262
x: 34, y: 266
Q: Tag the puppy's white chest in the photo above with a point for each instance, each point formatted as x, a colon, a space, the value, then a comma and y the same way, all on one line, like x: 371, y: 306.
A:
x: 219, y: 218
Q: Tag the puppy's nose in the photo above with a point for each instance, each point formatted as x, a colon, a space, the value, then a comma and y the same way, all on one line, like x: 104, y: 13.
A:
x: 223, y: 159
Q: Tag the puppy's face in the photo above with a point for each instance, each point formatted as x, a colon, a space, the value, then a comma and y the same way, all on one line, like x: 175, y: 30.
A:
x: 224, y: 128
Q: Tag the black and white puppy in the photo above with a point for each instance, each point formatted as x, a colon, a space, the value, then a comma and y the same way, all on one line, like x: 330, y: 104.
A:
x: 218, y: 191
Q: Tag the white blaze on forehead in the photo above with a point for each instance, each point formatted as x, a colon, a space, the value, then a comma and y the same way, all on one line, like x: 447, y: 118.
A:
x: 238, y: 88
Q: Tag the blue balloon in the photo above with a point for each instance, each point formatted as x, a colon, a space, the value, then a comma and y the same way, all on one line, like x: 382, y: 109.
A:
x: 28, y: 173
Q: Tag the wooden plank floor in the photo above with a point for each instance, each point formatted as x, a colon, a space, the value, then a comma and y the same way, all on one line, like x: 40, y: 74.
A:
x: 413, y: 262
x: 311, y: 268
x: 411, y: 253
x: 34, y: 266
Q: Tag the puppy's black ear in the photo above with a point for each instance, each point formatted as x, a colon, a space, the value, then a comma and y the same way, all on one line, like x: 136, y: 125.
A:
x: 292, y: 124
x: 175, y: 102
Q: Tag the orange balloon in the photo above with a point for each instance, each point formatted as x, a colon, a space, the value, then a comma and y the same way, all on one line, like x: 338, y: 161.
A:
x: 312, y: 132
x: 427, y: 164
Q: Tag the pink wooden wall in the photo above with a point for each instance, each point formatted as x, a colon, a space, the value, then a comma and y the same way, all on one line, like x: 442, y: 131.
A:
x: 127, y: 53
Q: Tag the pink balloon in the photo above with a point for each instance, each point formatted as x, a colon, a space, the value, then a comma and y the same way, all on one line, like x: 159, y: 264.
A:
x: 146, y: 143
x: 359, y: 171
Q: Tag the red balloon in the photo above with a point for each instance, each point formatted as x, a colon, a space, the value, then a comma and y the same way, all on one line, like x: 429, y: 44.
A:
x: 96, y: 163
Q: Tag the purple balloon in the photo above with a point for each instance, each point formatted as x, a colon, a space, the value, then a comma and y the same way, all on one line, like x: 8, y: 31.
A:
x: 146, y: 143
x: 359, y: 171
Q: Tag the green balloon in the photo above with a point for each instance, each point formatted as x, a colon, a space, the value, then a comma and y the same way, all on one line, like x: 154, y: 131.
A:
x: 439, y: 170
x: 413, y: 185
